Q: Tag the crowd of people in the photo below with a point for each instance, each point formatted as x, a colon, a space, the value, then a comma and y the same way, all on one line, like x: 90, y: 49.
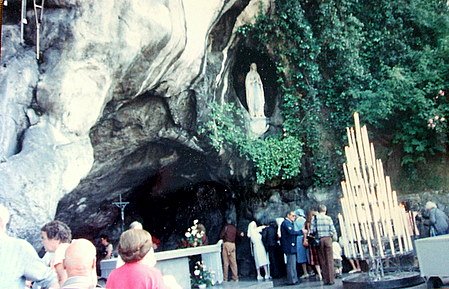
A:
x: 308, y: 243
x: 72, y: 264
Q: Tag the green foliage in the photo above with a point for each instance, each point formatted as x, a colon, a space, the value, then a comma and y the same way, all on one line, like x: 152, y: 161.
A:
x: 387, y: 60
x: 289, y: 35
x: 408, y: 60
x: 273, y: 157
x: 201, y: 275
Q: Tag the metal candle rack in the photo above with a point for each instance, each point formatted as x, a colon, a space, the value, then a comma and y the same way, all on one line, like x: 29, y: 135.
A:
x: 374, y: 226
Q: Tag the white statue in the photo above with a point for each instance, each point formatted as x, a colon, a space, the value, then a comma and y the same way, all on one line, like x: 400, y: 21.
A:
x: 255, y: 97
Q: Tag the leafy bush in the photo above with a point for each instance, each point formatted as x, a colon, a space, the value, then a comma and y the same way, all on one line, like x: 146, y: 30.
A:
x: 201, y: 275
x: 386, y: 59
x: 273, y: 157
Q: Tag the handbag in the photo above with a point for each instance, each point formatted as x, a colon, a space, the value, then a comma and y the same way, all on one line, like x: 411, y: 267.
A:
x: 312, y: 241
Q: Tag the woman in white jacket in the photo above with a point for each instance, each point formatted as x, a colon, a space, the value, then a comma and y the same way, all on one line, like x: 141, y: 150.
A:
x: 258, y: 250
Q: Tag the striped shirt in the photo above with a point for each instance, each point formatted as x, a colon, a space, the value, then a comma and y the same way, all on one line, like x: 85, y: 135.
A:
x: 20, y: 262
x: 323, y: 226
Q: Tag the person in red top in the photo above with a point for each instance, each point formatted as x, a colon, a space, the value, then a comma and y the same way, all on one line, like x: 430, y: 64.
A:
x: 133, y: 247
x: 228, y: 234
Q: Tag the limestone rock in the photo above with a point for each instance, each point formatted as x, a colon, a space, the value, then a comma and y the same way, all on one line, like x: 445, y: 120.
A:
x: 116, y: 97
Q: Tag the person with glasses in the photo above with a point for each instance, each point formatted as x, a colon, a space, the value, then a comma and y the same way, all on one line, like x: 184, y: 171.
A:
x: 288, y: 244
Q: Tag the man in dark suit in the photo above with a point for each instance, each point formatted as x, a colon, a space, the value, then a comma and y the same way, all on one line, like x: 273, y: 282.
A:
x: 288, y: 244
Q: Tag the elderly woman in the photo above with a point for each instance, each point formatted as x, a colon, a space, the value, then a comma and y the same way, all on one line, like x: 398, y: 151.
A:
x: 258, y: 250
x: 301, y: 250
x: 133, y: 248
x: 438, y: 220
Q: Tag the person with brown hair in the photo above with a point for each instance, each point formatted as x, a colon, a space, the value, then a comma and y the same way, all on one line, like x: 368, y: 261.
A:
x: 323, y: 228
x: 133, y: 248
x: 202, y: 229
x: 313, y: 251
x: 106, y: 247
x: 56, y: 237
x: 228, y: 234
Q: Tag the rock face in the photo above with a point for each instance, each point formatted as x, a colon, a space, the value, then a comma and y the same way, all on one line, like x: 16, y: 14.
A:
x: 111, y: 108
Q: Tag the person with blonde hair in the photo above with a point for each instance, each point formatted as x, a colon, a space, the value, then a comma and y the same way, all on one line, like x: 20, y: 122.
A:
x: 20, y: 261
x: 136, y: 225
x: 133, y: 248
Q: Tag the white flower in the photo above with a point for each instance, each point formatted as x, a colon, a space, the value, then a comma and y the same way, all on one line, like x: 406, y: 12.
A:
x: 187, y: 234
x: 436, y: 117
x: 195, y: 222
x: 442, y: 119
x: 430, y: 120
x: 194, y: 231
x: 196, y: 272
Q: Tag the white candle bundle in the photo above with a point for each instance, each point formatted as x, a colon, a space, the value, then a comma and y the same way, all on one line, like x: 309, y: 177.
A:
x: 372, y: 222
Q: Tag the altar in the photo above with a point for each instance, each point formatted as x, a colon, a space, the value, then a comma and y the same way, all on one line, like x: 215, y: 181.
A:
x: 176, y: 263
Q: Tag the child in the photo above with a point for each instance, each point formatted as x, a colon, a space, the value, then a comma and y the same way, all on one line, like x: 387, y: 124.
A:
x: 336, y: 249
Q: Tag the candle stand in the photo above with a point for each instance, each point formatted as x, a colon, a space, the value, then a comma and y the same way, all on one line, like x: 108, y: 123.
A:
x: 374, y: 226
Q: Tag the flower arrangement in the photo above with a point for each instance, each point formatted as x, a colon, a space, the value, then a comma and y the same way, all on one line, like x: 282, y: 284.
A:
x: 201, y: 277
x: 194, y: 236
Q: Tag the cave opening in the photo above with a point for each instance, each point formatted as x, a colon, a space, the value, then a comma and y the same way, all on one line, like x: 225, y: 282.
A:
x: 266, y: 68
x: 168, y: 201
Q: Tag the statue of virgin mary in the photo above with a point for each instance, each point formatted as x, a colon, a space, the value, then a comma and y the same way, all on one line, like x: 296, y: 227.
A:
x: 255, y: 97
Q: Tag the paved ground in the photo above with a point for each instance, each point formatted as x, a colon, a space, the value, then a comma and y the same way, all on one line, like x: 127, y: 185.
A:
x: 311, y: 283
x: 281, y: 284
